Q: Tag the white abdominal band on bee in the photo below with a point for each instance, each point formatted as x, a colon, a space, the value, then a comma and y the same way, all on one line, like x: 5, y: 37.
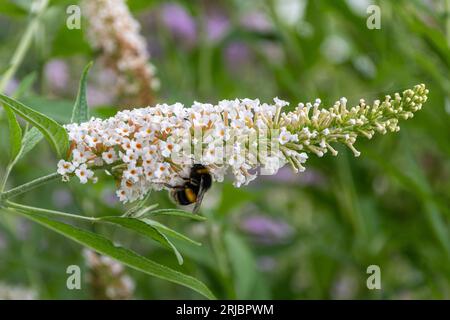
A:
x: 156, y: 147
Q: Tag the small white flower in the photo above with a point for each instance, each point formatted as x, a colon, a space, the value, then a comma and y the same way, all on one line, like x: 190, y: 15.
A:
x: 161, y: 170
x: 124, y: 129
x: 109, y: 156
x: 79, y: 156
x: 133, y: 172
x: 280, y: 103
x: 65, y: 167
x: 129, y: 157
x: 285, y: 136
x: 167, y: 147
x: 83, y: 173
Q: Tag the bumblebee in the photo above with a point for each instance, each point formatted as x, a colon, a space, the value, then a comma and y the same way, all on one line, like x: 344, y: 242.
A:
x: 194, y: 187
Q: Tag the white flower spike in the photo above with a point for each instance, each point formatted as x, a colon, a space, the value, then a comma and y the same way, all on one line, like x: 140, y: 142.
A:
x: 154, y: 147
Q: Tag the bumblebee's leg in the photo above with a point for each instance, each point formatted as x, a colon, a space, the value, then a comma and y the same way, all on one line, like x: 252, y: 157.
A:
x: 167, y: 185
x: 173, y: 187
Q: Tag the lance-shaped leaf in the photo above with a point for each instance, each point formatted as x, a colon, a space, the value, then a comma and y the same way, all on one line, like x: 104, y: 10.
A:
x: 104, y: 246
x: 80, y: 111
x: 173, y: 212
x: 55, y: 134
x: 170, y: 232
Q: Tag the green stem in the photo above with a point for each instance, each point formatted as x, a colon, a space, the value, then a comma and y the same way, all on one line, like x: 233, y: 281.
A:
x: 40, y: 181
x: 5, y: 176
x: 10, y: 167
x: 23, y: 47
x: 29, y: 186
x: 34, y: 210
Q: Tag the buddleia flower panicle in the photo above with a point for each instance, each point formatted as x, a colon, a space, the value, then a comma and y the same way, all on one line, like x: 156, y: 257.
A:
x: 115, y: 33
x: 154, y: 147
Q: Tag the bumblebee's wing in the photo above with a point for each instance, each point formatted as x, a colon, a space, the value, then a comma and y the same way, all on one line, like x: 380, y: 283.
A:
x: 201, y: 193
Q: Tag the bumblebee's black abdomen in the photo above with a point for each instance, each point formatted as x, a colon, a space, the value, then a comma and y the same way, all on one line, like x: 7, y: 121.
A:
x: 181, y: 198
x: 187, y: 195
x: 194, y: 188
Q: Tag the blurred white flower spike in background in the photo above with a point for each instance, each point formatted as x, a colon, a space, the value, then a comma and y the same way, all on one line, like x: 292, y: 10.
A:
x: 113, y: 30
x: 155, y: 147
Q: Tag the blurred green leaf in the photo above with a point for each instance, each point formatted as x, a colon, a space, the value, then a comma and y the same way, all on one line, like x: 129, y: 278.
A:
x: 80, y: 111
x: 123, y: 255
x: 25, y: 85
x: 11, y: 8
x: 233, y: 198
x: 140, y: 5
x: 52, y: 131
x: 244, y: 267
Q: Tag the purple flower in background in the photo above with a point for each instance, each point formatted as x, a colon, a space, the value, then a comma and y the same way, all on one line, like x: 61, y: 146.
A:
x: 180, y: 22
x: 266, y: 230
x: 61, y: 198
x: 237, y: 54
x: 98, y: 96
x: 256, y: 21
x: 57, y: 74
x: 266, y: 264
x: 273, y: 52
x: 11, y: 87
x: 109, y: 197
x: 217, y: 26
x: 23, y: 230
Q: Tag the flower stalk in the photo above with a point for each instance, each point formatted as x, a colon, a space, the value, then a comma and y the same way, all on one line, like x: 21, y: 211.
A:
x: 38, y: 182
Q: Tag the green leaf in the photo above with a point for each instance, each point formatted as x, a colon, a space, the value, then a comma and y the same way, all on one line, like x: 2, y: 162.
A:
x: 175, y: 213
x: 12, y: 9
x: 170, y: 232
x: 144, y: 229
x: 140, y: 207
x: 30, y: 139
x: 104, y: 246
x: 25, y: 85
x: 80, y: 111
x: 139, y: 211
x: 59, y: 109
x: 243, y: 265
x: 15, y: 133
x: 140, y: 5
x: 55, y: 134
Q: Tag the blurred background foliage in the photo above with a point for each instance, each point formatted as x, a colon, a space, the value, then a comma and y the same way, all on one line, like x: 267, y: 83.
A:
x: 306, y: 236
